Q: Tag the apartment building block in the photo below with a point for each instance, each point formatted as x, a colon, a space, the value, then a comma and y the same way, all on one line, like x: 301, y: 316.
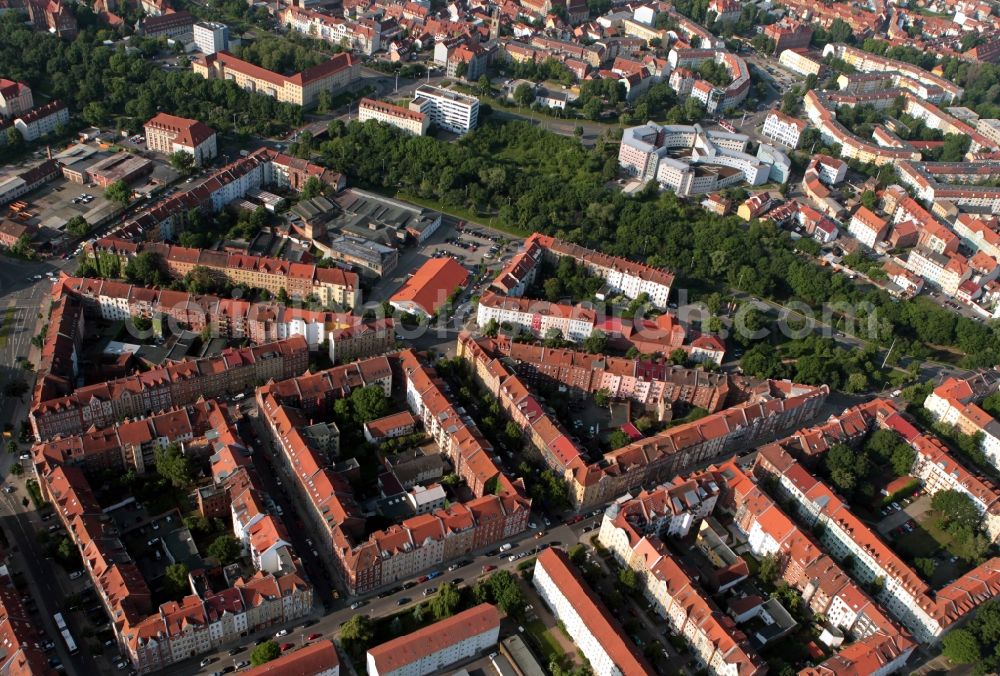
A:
x: 209, y: 37
x: 783, y: 129
x: 301, y: 89
x: 169, y: 134
x: 410, y: 121
x: 15, y: 99
x: 449, y: 110
x: 593, y: 629
x: 439, y: 645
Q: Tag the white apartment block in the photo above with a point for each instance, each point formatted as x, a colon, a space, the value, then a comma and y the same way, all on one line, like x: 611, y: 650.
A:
x: 783, y: 129
x: 801, y: 63
x: 450, y: 110
x: 410, y: 121
x: 43, y: 120
x: 953, y: 403
x: 867, y: 227
x: 538, y: 317
x: 211, y: 36
x: 944, y: 272
x: 437, y: 646
x: 586, y: 622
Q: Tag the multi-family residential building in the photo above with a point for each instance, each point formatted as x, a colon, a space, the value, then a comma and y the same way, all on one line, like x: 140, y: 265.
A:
x: 821, y: 110
x: 965, y: 184
x: 904, y: 594
x: 945, y: 271
x: 439, y: 645
x: 600, y: 637
x: 936, y: 466
x: 771, y: 408
x: 880, y: 646
x: 329, y: 286
x: 166, y: 218
x: 349, y: 336
x: 318, y: 658
x: 954, y: 402
x: 499, y: 510
x: 210, y: 37
x: 44, y: 119
x: 169, y: 134
x: 301, y: 89
x: 64, y: 411
x: 629, y: 530
x: 363, y: 36
x: 783, y: 129
x: 621, y: 275
x: 802, y: 62
x: 653, y: 385
x: 867, y: 227
x: 153, y: 638
x: 715, y: 99
x: 538, y: 317
x: 867, y: 62
x: 15, y: 99
x: 411, y: 121
x: 448, y: 109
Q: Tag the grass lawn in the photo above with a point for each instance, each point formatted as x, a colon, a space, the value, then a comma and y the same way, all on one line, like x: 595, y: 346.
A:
x: 547, y: 643
x: 919, y: 543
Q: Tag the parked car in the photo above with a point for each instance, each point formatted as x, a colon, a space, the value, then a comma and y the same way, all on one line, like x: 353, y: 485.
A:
x: 205, y: 662
x: 283, y: 632
x: 357, y: 604
x: 286, y: 646
x: 403, y: 601
x: 313, y: 637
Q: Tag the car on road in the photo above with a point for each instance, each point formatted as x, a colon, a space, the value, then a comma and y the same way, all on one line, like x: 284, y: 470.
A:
x: 403, y: 601
x: 286, y: 646
x: 205, y: 662
x: 421, y: 580
x: 429, y: 591
x: 313, y: 637
x: 357, y: 604
x: 433, y: 574
x: 488, y: 568
x: 122, y: 664
x: 234, y: 651
x: 283, y: 632
x: 243, y: 665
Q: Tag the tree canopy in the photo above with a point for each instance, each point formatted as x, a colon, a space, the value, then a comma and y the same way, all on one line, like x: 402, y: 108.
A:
x: 265, y: 652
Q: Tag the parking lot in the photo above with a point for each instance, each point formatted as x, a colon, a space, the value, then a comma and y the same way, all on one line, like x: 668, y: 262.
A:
x: 53, y: 205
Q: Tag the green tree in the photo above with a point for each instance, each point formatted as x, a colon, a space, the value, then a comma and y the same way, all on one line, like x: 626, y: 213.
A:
x: 617, y: 439
x: 446, y: 601
x: 313, y: 187
x: 596, y: 342
x: 265, y: 652
x: 17, y: 469
x: 955, y: 509
x: 769, y: 569
x: 356, y: 634
x: 145, y: 269
x: 902, y: 460
x: 483, y: 87
x: 77, y: 226
x: 369, y: 403
x: 577, y: 553
x: 173, y: 465
x: 119, y: 193
x: 628, y: 579
x: 182, y: 161
x: 175, y: 581
x: 225, y: 549
x: 961, y: 646
x: 14, y: 138
x: 12, y: 446
x: 200, y: 279
x: 524, y: 94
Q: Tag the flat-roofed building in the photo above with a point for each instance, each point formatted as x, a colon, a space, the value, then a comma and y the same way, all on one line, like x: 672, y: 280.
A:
x: 450, y: 110
x: 123, y: 167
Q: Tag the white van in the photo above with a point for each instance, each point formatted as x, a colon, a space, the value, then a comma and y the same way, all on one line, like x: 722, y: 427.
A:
x: 505, y: 547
